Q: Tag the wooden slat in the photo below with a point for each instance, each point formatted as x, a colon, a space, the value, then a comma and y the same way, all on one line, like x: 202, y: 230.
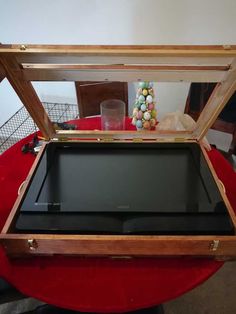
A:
x: 124, y: 135
x: 123, y: 75
x: 28, y: 96
x: 219, y: 98
x: 192, y: 55
x: 125, y: 47
x: 122, y: 59
x: 148, y: 67
x: 167, y: 50
x: 111, y: 245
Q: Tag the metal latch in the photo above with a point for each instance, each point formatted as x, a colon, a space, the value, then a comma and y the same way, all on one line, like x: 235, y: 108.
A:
x: 214, y: 245
x: 32, y: 243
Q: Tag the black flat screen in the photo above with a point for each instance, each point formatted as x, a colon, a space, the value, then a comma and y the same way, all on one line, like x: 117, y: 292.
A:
x: 129, y: 188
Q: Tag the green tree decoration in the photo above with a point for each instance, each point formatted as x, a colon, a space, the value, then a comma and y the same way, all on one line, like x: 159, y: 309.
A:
x: 144, y: 112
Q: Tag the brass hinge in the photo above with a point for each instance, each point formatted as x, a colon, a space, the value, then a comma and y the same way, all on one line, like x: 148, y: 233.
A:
x: 214, y: 245
x: 179, y: 139
x: 137, y: 140
x: 62, y: 139
x: 106, y: 139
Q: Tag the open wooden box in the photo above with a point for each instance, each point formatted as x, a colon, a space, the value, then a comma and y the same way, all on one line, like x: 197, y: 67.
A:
x: 22, y: 64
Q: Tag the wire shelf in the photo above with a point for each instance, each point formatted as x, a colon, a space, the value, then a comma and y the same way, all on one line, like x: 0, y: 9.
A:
x: 21, y: 124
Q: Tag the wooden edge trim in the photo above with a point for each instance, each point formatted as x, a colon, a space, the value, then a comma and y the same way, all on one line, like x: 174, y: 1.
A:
x: 12, y: 216
x: 92, y: 245
x: 123, y: 135
x: 142, y: 238
x: 123, y: 75
x: 171, y: 50
x: 53, y: 66
x: 220, y: 186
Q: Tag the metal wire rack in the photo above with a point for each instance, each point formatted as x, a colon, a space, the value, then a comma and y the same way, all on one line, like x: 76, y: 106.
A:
x: 21, y: 124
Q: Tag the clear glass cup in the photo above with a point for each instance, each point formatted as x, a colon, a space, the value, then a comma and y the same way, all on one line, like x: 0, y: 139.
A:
x: 112, y: 114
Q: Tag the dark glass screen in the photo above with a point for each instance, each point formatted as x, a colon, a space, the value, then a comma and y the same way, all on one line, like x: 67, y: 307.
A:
x: 119, y: 183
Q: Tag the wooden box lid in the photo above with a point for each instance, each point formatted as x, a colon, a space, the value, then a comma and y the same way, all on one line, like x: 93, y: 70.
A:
x: 22, y: 64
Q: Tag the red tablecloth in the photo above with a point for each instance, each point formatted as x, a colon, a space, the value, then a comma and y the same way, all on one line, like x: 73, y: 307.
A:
x: 100, y: 284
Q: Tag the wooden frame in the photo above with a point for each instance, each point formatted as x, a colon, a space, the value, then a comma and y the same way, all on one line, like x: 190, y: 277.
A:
x: 22, y: 64
x: 25, y: 63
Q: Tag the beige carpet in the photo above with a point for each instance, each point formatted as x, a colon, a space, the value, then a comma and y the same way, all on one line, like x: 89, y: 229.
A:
x: 215, y: 296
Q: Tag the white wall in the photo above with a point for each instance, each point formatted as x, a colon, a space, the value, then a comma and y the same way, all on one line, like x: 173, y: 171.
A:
x: 113, y: 22
x: 118, y: 21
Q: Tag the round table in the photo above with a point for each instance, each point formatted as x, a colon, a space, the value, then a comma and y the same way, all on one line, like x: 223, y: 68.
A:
x: 99, y: 284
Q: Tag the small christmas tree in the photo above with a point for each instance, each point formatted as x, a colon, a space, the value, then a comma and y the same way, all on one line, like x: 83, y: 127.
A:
x: 144, y: 112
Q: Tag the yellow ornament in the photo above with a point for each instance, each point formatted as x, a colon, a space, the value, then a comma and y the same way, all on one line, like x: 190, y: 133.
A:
x: 145, y: 92
x: 154, y: 113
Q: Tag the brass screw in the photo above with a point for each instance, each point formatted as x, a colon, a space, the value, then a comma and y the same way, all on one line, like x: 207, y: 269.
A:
x: 23, y: 47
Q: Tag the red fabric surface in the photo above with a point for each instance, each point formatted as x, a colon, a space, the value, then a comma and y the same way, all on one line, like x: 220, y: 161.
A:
x: 99, y: 284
